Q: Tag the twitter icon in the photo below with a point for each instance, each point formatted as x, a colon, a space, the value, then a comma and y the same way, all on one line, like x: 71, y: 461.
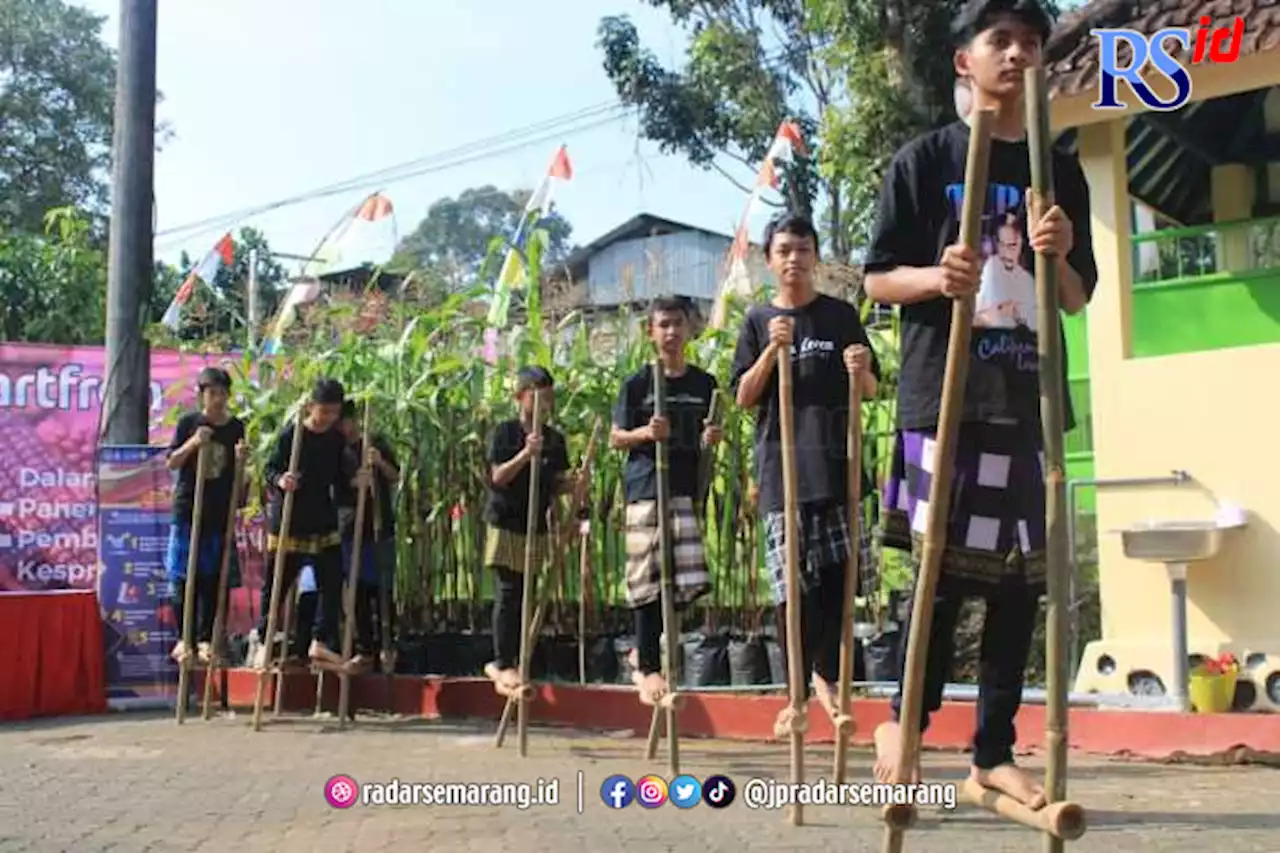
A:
x: 685, y: 792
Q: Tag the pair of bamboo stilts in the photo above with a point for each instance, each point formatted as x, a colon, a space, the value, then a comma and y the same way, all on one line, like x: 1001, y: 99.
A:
x: 349, y: 594
x: 217, y: 650
x: 1059, y: 820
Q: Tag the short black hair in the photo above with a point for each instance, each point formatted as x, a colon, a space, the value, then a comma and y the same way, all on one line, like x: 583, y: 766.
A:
x: 788, y: 222
x: 669, y: 305
x: 977, y: 16
x: 327, y: 392
x: 213, y: 377
x: 534, y: 376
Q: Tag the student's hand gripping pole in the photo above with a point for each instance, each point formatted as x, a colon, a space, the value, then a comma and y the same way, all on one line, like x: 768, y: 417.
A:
x: 216, y: 659
x: 526, y: 600
x: 853, y: 448
x: 189, y: 590
x: 277, y: 577
x: 899, y: 818
x: 791, y: 517
x: 353, y: 577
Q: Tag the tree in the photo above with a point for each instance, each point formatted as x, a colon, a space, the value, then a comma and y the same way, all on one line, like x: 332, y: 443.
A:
x: 57, y: 83
x: 450, y: 244
x: 53, y: 286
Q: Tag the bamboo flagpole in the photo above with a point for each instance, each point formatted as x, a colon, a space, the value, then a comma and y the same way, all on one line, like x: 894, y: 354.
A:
x: 286, y: 517
x: 899, y: 818
x: 791, y: 511
x: 216, y: 658
x: 349, y: 602
x: 853, y: 449
x: 189, y: 588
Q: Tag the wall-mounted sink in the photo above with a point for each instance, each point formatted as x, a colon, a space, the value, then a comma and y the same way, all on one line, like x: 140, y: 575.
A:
x: 1173, y: 541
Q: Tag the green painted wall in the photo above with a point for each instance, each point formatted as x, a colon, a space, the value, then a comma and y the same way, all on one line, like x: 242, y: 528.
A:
x: 1209, y: 312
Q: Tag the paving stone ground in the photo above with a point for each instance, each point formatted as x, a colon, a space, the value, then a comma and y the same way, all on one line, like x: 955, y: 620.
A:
x: 139, y: 783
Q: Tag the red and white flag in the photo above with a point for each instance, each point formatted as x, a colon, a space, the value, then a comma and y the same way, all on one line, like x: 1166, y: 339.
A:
x: 222, y: 253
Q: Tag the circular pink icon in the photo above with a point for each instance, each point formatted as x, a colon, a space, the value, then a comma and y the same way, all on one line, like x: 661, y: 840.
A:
x: 340, y: 792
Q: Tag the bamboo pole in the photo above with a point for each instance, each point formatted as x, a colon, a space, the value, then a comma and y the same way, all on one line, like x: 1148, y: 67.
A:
x: 189, y: 588
x: 353, y: 576
x: 224, y: 571
x: 286, y: 517
x: 1052, y: 417
x: 670, y: 627
x: 791, y: 532
x: 899, y: 818
x: 853, y: 449
x: 526, y: 601
x: 1059, y: 821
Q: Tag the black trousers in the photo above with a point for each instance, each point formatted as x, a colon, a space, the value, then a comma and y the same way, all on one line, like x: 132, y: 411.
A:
x: 327, y: 567
x: 508, y: 600
x: 821, y: 612
x: 205, y: 606
x: 1012, y: 607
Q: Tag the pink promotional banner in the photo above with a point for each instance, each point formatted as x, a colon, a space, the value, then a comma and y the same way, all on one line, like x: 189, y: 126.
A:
x: 50, y: 404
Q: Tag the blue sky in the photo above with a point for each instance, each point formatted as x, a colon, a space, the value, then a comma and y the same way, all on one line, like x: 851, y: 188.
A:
x: 272, y: 98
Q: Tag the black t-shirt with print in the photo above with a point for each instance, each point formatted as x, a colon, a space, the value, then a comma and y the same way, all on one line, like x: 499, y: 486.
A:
x: 508, y: 507
x: 688, y: 400
x: 220, y: 468
x: 918, y: 217
x: 326, y: 467
x: 823, y: 330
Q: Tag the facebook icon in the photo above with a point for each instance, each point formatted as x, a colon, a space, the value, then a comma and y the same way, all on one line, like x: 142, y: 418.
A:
x: 617, y: 792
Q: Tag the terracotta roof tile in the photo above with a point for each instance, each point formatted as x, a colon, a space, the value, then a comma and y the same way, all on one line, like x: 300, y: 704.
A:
x: 1072, y: 53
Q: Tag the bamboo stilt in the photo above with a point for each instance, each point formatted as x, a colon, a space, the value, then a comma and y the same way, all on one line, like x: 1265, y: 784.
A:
x: 286, y: 517
x: 217, y: 660
x: 1060, y: 821
x: 526, y: 600
x: 935, y: 538
x: 287, y: 617
x: 1052, y: 417
x: 353, y: 577
x: 853, y: 449
x: 791, y: 510
x: 189, y: 588
x: 670, y: 627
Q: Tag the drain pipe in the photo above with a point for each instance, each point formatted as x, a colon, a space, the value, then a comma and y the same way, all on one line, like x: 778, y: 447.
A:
x: 1174, y: 478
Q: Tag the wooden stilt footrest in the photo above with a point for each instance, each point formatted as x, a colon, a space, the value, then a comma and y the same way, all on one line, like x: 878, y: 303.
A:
x: 1064, y: 820
x: 789, y: 723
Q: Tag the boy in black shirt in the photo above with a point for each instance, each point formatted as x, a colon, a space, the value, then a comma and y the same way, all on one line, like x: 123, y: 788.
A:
x: 996, y: 518
x: 377, y: 542
x: 687, y: 431
x: 325, y: 471
x: 514, y: 445
x: 215, y: 429
x: 829, y: 348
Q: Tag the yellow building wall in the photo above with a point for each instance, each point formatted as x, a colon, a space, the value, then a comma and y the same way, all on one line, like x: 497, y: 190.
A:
x: 1215, y: 415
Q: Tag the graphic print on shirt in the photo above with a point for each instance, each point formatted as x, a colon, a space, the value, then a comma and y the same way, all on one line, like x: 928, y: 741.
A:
x: 1004, y: 317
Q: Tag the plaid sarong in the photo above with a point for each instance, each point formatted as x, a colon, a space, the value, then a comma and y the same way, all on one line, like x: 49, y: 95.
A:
x: 690, y: 578
x: 504, y: 549
x: 996, y: 517
x: 824, y: 541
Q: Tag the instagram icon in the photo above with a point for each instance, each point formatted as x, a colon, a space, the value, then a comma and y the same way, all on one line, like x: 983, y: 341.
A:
x: 651, y: 791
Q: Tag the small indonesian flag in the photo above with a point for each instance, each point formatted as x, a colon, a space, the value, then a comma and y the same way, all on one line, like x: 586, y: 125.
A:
x: 223, y: 253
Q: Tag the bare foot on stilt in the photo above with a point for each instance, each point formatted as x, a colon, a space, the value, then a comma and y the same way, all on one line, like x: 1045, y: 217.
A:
x: 782, y: 724
x: 827, y: 698
x: 652, y: 687
x: 322, y: 654
x: 180, y: 652
x: 505, y: 681
x: 887, y: 739
x: 1012, y: 780
x: 204, y: 653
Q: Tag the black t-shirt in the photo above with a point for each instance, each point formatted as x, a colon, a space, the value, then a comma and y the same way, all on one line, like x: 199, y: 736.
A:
x: 326, y: 467
x: 384, y: 490
x: 220, y: 470
x: 824, y: 329
x: 688, y: 400
x: 508, y: 507
x: 919, y: 216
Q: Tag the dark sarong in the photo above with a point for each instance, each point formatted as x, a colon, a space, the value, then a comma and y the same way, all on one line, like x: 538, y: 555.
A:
x: 996, y: 520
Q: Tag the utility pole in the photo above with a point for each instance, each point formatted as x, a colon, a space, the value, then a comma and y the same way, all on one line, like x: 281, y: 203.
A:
x: 127, y: 385
x: 252, y: 299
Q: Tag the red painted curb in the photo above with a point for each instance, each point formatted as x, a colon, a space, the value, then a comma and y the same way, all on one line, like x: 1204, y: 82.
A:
x: 1147, y: 734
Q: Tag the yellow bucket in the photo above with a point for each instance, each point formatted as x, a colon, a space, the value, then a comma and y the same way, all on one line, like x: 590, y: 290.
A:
x: 1212, y: 694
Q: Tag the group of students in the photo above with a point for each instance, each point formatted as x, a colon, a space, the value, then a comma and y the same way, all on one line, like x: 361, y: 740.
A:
x: 996, y: 517
x: 332, y: 467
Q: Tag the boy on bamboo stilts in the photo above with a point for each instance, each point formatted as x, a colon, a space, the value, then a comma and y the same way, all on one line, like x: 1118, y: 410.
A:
x: 378, y: 541
x: 687, y: 431
x: 996, y: 521
x: 213, y: 428
x: 513, y: 447
x: 829, y: 349
x: 326, y: 469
